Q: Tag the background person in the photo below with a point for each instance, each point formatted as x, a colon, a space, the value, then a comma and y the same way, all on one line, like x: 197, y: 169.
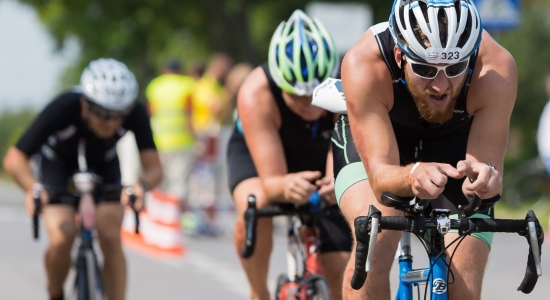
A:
x: 170, y: 103
x: 280, y: 147
x: 100, y: 111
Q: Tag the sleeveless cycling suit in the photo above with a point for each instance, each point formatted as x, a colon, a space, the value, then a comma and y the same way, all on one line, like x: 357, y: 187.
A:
x: 55, y: 135
x: 417, y: 139
x: 306, y: 145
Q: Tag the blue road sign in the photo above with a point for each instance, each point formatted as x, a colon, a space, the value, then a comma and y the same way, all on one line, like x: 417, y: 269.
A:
x: 499, y: 14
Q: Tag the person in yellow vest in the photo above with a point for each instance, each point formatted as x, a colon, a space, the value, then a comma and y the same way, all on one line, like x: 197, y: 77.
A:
x: 210, y: 102
x: 170, y: 106
x: 211, y: 107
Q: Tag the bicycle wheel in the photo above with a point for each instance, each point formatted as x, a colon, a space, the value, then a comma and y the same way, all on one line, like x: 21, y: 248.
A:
x: 320, y: 290
x: 94, y: 285
x: 281, y: 281
x: 81, y: 279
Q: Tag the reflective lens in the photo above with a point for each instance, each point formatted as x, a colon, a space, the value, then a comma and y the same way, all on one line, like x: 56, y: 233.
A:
x: 105, y: 114
x: 428, y: 71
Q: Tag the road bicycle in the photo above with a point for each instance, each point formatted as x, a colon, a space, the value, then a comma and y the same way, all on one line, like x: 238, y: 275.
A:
x: 88, y: 283
x: 304, y: 279
x: 435, y: 226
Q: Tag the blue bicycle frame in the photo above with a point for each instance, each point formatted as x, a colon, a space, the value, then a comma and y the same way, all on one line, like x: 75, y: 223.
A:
x: 409, y: 277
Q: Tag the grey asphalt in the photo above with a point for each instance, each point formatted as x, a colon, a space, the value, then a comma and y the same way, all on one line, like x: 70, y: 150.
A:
x: 210, y: 268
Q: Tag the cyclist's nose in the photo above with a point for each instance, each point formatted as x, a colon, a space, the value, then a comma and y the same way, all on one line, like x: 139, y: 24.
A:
x: 440, y: 83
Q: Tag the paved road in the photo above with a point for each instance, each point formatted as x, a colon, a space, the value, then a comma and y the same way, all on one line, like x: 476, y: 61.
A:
x: 210, y: 268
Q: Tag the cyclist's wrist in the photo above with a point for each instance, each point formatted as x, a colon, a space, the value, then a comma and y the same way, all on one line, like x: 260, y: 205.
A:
x: 144, y: 184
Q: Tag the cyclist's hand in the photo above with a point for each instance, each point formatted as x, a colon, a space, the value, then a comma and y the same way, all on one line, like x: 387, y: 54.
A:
x: 484, y: 180
x: 29, y: 200
x: 298, y: 187
x: 138, y: 192
x: 326, y: 189
x: 429, y: 179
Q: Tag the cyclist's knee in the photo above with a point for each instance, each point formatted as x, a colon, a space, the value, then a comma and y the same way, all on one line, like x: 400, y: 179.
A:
x: 109, y: 239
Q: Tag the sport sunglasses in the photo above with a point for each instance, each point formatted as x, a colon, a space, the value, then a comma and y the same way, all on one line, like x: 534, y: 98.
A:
x: 428, y: 71
x: 105, y: 114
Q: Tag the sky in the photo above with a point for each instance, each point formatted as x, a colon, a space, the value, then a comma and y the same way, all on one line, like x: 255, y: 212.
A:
x: 29, y: 66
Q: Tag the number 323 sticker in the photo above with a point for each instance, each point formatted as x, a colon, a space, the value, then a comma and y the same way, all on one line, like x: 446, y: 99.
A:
x: 443, y: 55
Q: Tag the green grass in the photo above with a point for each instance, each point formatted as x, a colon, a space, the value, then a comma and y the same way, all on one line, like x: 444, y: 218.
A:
x: 540, y: 206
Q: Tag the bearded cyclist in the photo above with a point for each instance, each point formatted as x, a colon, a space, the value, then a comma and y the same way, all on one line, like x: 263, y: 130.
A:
x: 100, y: 111
x: 429, y: 97
x: 280, y: 148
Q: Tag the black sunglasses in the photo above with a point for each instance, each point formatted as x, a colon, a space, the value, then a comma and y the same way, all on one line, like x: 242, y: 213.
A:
x: 428, y: 71
x: 105, y: 114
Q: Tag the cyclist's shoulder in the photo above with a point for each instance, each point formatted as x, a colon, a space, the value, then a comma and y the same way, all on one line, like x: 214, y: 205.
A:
x: 493, y: 57
x: 66, y: 101
x: 255, y: 89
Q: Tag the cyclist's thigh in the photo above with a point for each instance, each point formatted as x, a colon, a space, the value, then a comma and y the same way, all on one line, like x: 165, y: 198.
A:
x: 109, y: 217
x: 467, y: 269
x: 335, y: 233
x: 58, y: 214
x: 348, y: 167
x: 59, y: 223
x: 240, y: 166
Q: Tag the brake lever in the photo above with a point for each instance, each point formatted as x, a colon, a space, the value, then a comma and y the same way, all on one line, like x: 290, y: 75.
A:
x: 535, y: 238
x: 374, y: 229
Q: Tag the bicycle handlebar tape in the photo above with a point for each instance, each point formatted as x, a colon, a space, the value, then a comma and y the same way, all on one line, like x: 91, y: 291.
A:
x: 361, y: 252
x: 531, y: 277
x: 250, y: 223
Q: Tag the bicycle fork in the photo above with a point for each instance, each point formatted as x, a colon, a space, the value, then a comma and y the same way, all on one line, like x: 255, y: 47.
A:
x: 437, y: 283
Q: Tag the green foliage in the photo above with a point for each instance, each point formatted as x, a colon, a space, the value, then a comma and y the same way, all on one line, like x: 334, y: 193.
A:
x: 145, y: 33
x: 13, y: 126
x: 528, y: 44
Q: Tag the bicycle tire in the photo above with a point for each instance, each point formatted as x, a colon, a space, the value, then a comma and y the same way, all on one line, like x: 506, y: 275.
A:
x: 281, y: 281
x: 81, y: 279
x: 94, y: 285
x: 320, y: 290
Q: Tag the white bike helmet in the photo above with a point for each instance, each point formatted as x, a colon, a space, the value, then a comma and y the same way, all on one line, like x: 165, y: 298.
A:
x: 456, y: 41
x: 109, y: 84
x: 301, y: 54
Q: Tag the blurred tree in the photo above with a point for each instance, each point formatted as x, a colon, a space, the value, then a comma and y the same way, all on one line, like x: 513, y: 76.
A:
x: 145, y: 33
x: 528, y: 45
x: 13, y: 126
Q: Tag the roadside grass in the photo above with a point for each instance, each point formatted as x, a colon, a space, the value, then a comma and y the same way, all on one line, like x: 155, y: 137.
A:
x: 541, y: 207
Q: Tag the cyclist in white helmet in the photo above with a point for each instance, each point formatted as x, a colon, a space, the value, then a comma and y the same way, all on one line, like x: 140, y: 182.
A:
x: 281, y: 143
x: 100, y: 111
x: 429, y: 96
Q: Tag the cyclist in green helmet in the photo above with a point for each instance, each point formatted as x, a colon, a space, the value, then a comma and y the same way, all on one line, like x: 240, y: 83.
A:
x: 281, y: 143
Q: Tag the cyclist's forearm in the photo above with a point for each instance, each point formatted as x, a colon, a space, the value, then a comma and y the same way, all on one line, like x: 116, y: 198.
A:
x: 390, y: 178
x: 152, y: 176
x: 274, y: 188
x: 16, y: 163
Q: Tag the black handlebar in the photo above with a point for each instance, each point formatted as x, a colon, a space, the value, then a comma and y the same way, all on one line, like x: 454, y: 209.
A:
x: 417, y: 224
x: 132, y: 201
x: 252, y: 214
x: 36, y: 213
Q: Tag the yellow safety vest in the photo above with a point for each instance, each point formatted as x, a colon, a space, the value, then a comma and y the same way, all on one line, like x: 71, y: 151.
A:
x: 208, y: 92
x: 168, y: 95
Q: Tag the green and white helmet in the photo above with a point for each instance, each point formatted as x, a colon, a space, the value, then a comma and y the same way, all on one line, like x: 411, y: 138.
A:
x: 302, y: 54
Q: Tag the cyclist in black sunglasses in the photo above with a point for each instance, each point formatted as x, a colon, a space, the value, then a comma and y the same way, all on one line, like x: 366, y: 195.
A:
x: 429, y: 96
x: 100, y: 111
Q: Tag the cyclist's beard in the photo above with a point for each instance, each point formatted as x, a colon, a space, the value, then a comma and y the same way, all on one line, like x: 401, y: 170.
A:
x: 428, y: 114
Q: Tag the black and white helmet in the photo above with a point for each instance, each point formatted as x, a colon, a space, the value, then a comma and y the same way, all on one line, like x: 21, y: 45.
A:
x: 461, y: 21
x: 109, y: 84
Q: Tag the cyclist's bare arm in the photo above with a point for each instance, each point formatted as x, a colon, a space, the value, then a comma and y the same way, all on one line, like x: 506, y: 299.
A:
x: 151, y: 175
x: 369, y: 96
x: 16, y: 163
x: 261, y: 119
x: 491, y: 99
